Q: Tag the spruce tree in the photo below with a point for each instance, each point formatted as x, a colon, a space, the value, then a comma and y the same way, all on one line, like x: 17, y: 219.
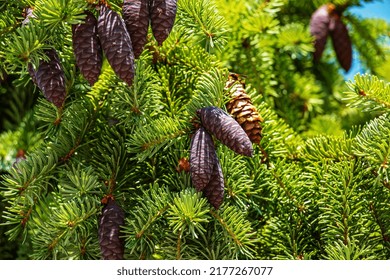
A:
x: 114, y: 152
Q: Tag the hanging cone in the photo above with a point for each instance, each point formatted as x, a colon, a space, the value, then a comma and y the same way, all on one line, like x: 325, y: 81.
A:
x: 116, y: 44
x: 242, y: 109
x: 215, y: 189
x: 87, y: 48
x: 111, y: 220
x: 319, y: 28
x: 50, y: 78
x: 202, y: 158
x: 341, y: 42
x: 226, y: 129
x: 136, y: 16
x: 162, y: 17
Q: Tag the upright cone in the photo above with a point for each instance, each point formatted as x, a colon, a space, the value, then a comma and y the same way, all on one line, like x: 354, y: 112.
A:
x: 241, y: 108
x: 136, y: 16
x: 162, y: 18
x: 116, y: 44
x: 87, y: 48
x: 112, y: 218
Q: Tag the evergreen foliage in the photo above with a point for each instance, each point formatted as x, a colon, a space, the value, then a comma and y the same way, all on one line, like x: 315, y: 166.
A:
x: 317, y: 186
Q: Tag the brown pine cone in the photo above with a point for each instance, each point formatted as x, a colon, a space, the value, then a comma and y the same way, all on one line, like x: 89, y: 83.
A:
x: 162, y: 17
x: 242, y: 109
x: 136, y: 16
x: 50, y: 78
x: 87, y: 48
x: 111, y: 244
x: 116, y: 44
x: 215, y: 189
x: 341, y: 42
x: 202, y: 158
x: 319, y: 28
x: 226, y: 129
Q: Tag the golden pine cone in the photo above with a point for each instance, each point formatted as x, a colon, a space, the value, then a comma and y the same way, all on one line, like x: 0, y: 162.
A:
x: 241, y: 108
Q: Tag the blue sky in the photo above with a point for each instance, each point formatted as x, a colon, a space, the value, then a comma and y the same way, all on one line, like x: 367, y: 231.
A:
x: 378, y: 9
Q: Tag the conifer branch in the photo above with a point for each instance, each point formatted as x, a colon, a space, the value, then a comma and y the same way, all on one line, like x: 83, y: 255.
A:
x: 161, y: 133
x: 178, y: 246
x: 201, y: 18
x: 238, y: 229
x: 368, y: 93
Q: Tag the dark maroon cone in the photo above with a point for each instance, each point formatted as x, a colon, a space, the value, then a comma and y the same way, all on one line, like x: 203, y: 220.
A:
x: 50, y: 78
x: 116, y: 44
x: 87, y: 48
x: 341, y: 42
x: 215, y: 189
x: 319, y: 23
x: 136, y: 17
x: 226, y: 129
x: 162, y: 18
x: 112, y: 218
x: 202, y: 158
